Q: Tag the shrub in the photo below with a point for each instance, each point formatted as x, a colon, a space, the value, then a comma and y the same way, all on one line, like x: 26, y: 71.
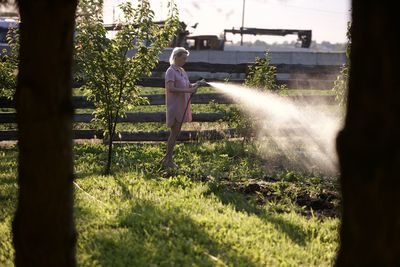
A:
x: 340, y: 86
x: 262, y: 75
x: 9, y: 65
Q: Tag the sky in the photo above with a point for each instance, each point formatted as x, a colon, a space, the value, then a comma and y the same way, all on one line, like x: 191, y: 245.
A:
x: 326, y: 18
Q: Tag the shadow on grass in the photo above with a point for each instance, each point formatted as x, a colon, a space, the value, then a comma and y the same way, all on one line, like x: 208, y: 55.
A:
x: 8, y: 181
x: 91, y: 159
x: 239, y: 201
x: 149, y: 235
x: 153, y: 236
x: 197, y: 160
x: 8, y: 160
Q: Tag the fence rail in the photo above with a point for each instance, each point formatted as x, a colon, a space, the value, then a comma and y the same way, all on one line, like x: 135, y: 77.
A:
x: 323, y: 84
x: 11, y: 135
x: 309, y: 70
x: 157, y: 136
x: 134, y: 117
x: 81, y: 102
x: 293, y: 75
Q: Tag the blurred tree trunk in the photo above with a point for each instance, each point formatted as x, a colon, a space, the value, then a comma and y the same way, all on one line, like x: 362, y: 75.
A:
x: 43, y: 226
x: 369, y: 145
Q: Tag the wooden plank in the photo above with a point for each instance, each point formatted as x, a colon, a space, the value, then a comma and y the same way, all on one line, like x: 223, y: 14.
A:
x: 155, y: 99
x: 313, y: 99
x: 296, y: 71
x: 219, y: 98
x: 291, y: 83
x: 10, y: 135
x: 159, y: 99
x: 302, y: 83
x: 141, y: 136
x: 308, y: 84
x: 311, y: 70
x: 8, y: 117
x: 87, y: 134
x: 207, y: 67
x: 81, y: 102
x: 134, y: 117
x: 6, y: 103
x: 183, y: 136
x: 204, y: 98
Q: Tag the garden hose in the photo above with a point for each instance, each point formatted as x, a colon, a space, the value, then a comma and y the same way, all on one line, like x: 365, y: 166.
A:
x: 200, y: 82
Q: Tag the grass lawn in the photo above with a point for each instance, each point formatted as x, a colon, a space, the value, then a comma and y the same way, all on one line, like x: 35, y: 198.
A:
x: 223, y: 207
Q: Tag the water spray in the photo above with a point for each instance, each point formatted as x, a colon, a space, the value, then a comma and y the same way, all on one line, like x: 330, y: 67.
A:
x: 303, y: 135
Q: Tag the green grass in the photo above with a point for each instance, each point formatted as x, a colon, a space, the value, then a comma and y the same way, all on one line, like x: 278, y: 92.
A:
x: 205, y: 214
x: 8, y: 198
x: 175, y: 222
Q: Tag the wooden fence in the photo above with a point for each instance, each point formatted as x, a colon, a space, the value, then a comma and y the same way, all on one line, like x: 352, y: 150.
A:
x: 80, y: 102
x: 294, y: 76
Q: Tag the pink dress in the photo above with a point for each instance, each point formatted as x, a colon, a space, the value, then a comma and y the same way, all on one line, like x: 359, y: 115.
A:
x: 176, y: 102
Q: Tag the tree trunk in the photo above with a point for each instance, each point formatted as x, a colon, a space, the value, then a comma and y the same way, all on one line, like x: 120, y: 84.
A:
x: 369, y: 144
x: 107, y: 170
x: 43, y: 226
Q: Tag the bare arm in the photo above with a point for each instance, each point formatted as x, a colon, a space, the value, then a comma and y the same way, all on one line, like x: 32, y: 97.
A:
x: 171, y: 88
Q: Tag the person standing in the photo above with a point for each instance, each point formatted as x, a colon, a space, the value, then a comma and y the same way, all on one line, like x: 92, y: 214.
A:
x: 178, y: 91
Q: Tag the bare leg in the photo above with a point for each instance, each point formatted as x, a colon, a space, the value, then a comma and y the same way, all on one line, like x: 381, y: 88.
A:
x: 175, y: 129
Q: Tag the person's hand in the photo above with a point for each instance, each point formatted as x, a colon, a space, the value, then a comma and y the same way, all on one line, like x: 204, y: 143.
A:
x: 193, y: 89
x: 201, y: 82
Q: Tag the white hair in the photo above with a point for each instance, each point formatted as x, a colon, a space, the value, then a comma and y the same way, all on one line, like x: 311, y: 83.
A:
x: 177, y: 52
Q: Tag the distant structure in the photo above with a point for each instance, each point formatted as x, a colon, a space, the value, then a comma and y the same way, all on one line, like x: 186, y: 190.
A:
x: 304, y: 36
x: 184, y: 38
x: 212, y: 42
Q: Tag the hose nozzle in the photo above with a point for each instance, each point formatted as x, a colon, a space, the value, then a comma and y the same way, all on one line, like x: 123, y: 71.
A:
x: 202, y: 82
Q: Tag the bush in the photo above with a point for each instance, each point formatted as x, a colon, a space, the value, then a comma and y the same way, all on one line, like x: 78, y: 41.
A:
x: 340, y: 87
x: 262, y: 75
x: 9, y: 65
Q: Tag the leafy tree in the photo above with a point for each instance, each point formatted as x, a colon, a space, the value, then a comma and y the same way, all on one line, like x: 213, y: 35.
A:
x: 262, y: 75
x: 9, y: 64
x: 340, y: 86
x: 109, y: 72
